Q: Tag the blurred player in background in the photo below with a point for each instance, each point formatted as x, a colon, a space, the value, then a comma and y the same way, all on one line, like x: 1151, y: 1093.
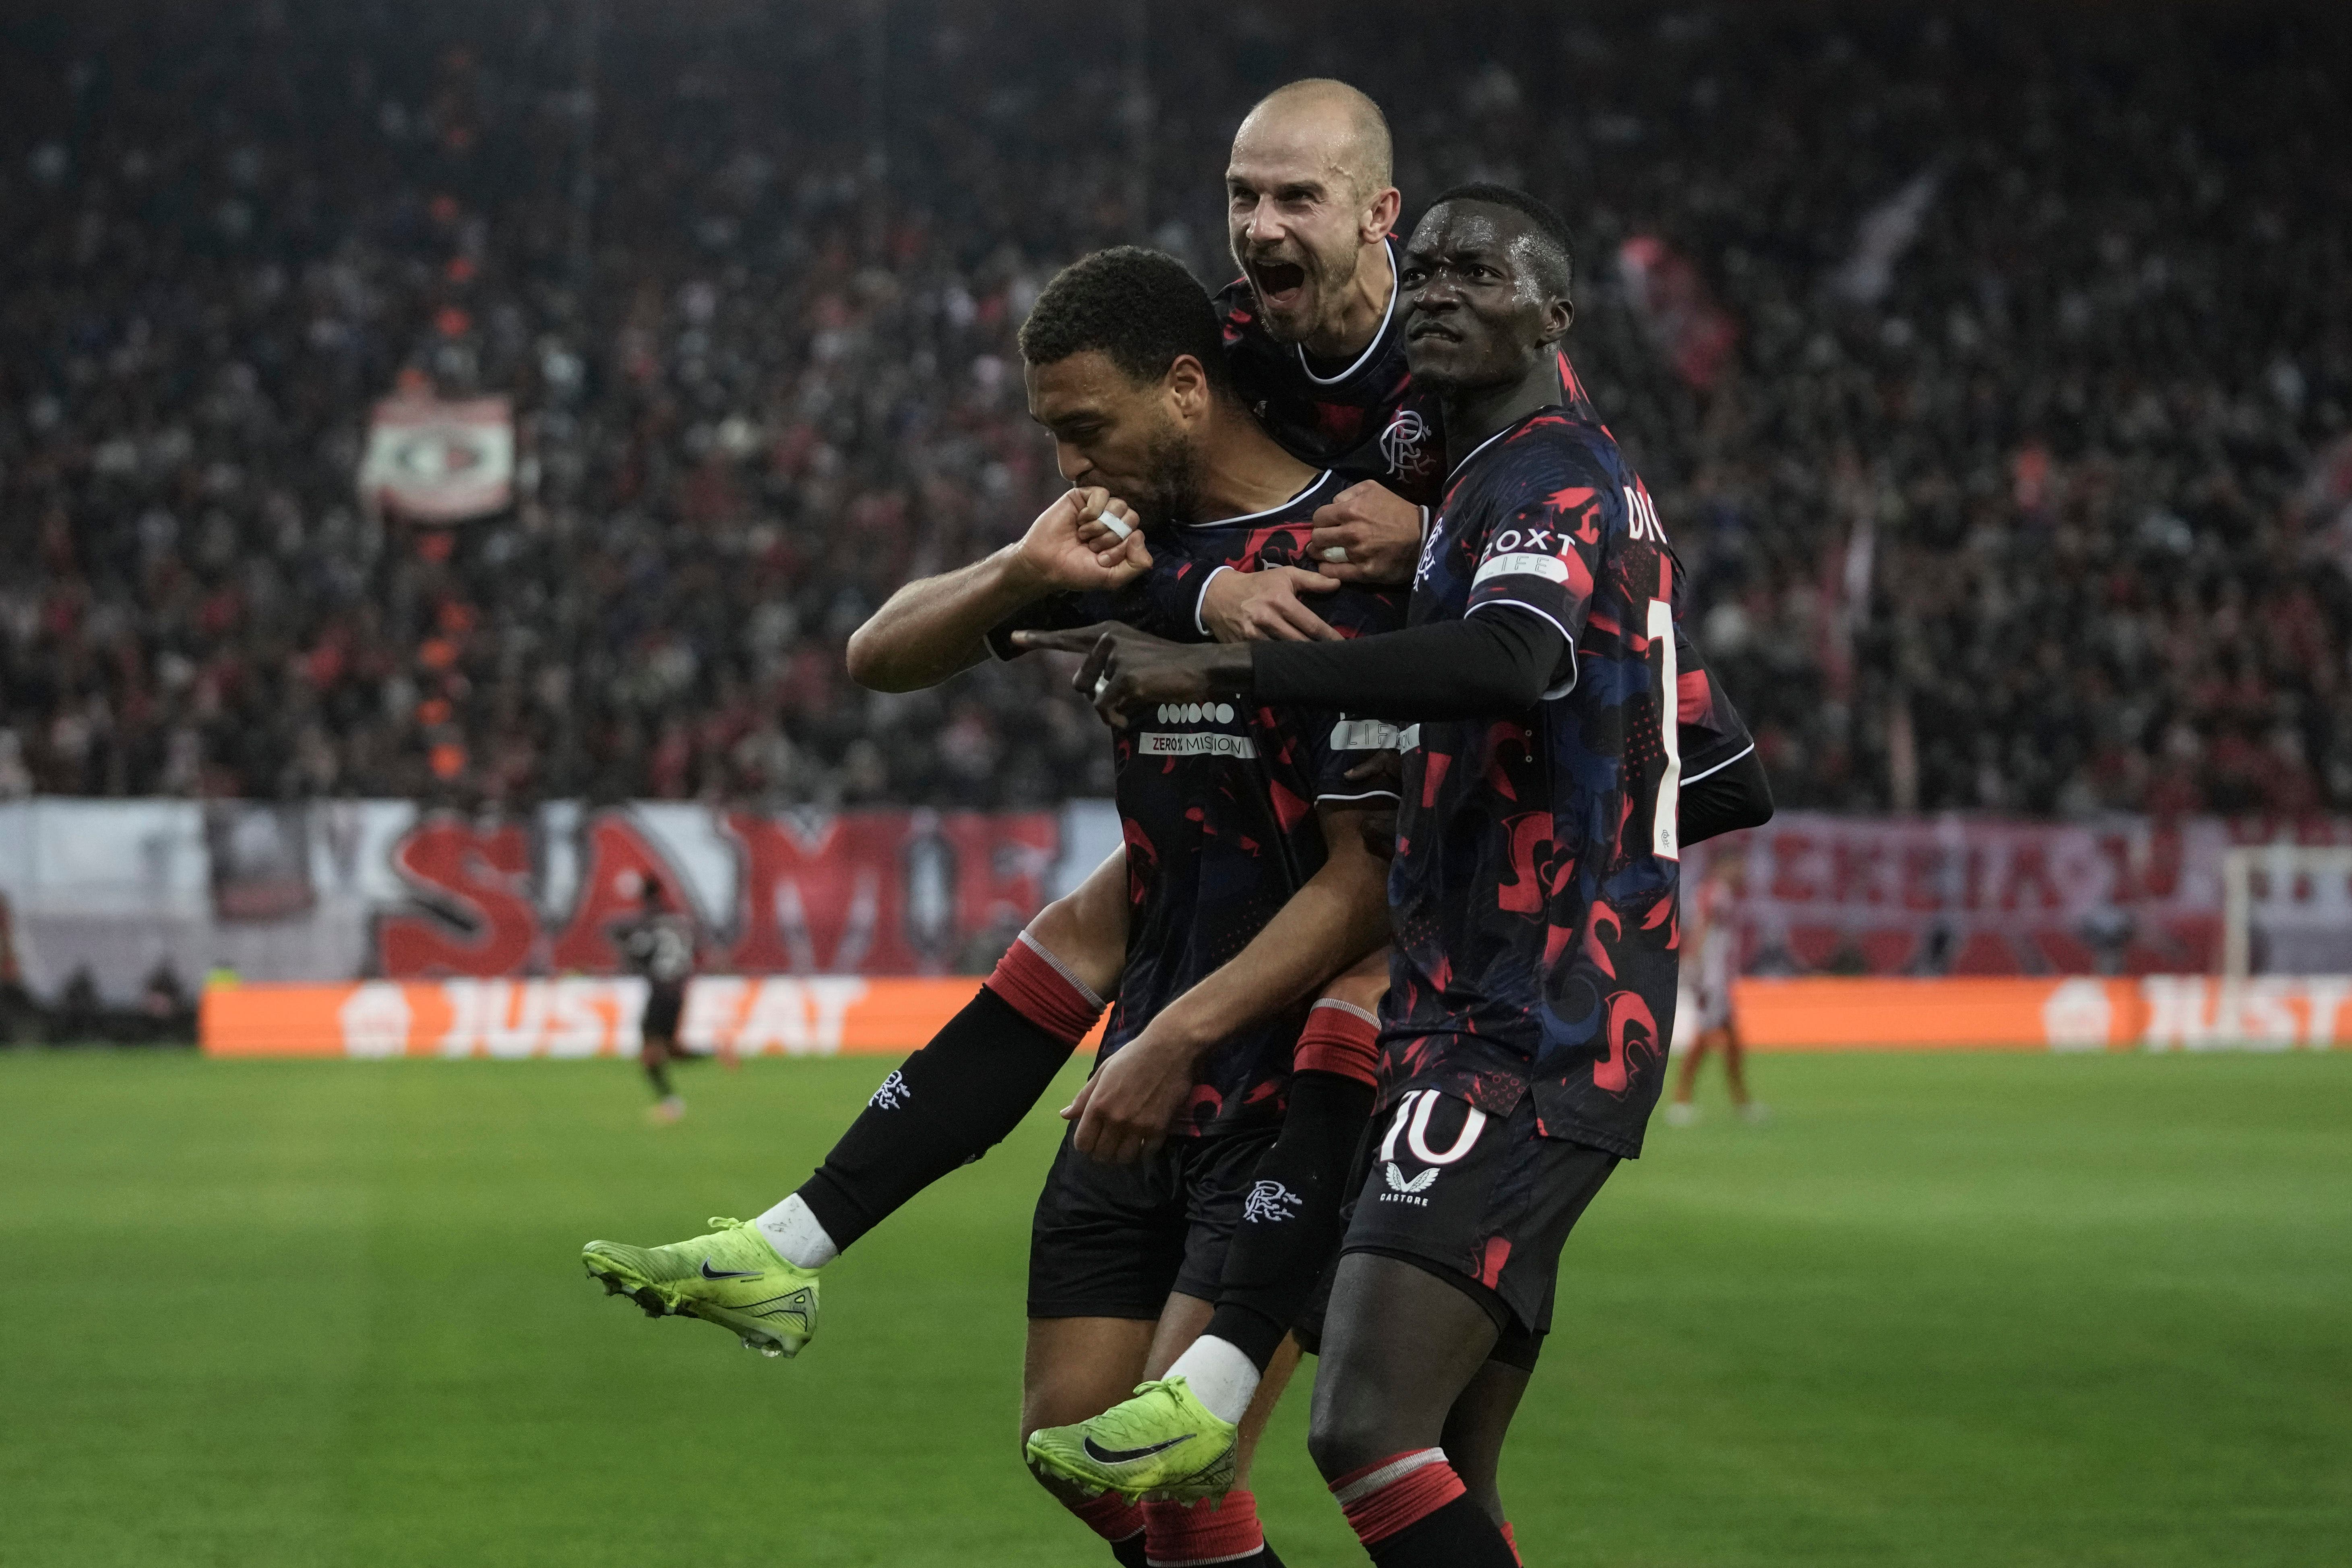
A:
x: 658, y: 944
x: 1711, y: 936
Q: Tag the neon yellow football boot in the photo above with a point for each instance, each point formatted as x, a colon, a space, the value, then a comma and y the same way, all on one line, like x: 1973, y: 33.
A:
x: 732, y: 1277
x: 1162, y: 1443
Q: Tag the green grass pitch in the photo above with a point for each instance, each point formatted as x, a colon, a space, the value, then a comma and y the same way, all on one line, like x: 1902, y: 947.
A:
x: 2024, y: 1310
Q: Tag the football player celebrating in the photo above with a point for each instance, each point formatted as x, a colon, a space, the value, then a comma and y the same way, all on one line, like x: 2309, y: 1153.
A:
x: 1251, y: 885
x: 1533, y: 892
x: 1314, y: 335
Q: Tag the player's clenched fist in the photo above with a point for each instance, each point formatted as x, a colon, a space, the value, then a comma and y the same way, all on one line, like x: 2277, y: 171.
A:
x: 1126, y: 668
x: 1368, y: 534
x: 1056, y: 554
x: 1116, y: 537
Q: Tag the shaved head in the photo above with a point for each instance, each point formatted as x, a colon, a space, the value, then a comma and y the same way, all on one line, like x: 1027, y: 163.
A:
x: 1308, y: 207
x: 1347, y: 131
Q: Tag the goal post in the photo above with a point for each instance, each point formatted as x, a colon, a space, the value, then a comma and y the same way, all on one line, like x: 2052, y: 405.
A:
x: 2286, y: 908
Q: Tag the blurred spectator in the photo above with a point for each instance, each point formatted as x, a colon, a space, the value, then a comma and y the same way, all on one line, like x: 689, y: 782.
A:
x: 2022, y: 336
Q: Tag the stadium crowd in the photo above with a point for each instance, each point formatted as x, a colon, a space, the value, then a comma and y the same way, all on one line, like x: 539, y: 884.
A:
x: 1985, y: 365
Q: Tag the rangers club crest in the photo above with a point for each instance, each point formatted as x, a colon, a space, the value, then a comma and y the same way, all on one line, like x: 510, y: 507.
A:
x: 1270, y: 1203
x: 1405, y: 444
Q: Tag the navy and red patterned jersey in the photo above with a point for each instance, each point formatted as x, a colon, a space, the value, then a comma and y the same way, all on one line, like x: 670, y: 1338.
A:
x: 1353, y: 420
x: 1713, y: 735
x: 1363, y: 419
x: 1536, y: 866
x: 1217, y: 804
x: 1369, y: 423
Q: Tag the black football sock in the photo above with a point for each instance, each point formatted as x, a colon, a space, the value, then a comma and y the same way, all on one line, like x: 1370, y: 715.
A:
x: 1130, y: 1552
x: 945, y: 1106
x: 657, y: 1074
x: 1411, y: 1511
x: 1291, y: 1223
x: 1458, y: 1535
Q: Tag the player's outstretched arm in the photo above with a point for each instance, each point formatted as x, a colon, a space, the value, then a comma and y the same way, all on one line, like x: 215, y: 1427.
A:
x: 1336, y: 919
x: 935, y: 627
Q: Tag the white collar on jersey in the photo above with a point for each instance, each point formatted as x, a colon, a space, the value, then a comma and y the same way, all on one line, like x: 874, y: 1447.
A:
x: 1369, y: 349
x: 1310, y: 489
x: 1499, y: 435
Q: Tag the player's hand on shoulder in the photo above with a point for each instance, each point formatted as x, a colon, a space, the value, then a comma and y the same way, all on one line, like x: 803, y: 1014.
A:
x: 1264, y: 606
x: 1368, y: 534
x: 1061, y: 557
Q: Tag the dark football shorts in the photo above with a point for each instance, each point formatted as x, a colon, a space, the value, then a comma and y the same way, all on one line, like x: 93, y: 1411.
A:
x: 1483, y: 1202
x: 663, y: 1005
x: 1113, y: 1241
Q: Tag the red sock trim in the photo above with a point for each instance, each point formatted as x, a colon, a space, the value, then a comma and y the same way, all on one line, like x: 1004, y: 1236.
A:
x: 1513, y: 1542
x: 1110, y: 1516
x: 1175, y: 1536
x: 1340, y: 1037
x: 1389, y: 1494
x: 1033, y: 983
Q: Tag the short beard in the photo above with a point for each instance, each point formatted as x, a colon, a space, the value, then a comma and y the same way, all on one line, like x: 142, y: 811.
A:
x: 1173, y: 476
x: 1327, y: 281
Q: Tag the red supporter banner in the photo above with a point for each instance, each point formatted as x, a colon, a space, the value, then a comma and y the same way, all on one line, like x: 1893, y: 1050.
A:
x: 853, y: 892
x: 1676, y: 307
x: 1975, y: 896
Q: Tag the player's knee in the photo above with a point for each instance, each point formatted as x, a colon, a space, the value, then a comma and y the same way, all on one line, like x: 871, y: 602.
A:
x: 1346, y: 1433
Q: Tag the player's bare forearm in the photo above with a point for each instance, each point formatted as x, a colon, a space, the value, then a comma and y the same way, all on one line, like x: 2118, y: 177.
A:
x: 935, y: 627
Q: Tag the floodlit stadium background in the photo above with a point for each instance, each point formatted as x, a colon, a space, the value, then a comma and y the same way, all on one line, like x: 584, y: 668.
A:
x: 442, y: 449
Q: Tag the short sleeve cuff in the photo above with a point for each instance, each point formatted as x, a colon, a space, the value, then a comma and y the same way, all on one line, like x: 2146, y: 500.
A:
x: 1199, y: 603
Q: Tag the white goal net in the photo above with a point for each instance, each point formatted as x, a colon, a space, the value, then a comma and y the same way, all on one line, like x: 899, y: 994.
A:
x: 2286, y: 908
